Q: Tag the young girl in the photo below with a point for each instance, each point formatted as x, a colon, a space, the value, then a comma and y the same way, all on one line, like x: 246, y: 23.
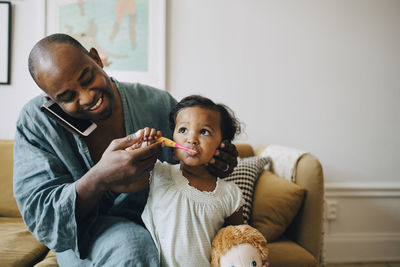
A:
x: 187, y: 205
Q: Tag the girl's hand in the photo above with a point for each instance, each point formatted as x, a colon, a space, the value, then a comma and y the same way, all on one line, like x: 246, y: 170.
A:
x: 224, y: 160
x: 148, y: 136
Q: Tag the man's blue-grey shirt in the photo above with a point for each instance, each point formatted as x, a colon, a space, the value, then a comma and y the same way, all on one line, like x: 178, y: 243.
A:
x: 48, y: 160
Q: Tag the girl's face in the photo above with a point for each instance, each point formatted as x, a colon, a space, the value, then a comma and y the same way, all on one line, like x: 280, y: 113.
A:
x: 199, y: 129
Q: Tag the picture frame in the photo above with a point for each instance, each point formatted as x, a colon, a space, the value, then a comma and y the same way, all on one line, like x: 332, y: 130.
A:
x: 5, y: 42
x: 130, y: 40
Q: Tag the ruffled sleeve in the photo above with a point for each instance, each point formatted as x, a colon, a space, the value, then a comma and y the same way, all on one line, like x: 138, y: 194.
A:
x: 233, y: 198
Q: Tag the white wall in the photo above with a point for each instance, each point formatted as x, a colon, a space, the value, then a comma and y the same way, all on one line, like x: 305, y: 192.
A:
x: 366, y: 223
x: 27, y: 28
x: 317, y: 75
x: 323, y: 76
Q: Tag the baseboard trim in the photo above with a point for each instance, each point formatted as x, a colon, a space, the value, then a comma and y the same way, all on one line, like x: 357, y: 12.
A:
x: 370, y: 244
x: 368, y: 247
x: 385, y: 189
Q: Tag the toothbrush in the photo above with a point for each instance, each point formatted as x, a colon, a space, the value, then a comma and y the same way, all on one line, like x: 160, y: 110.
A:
x: 171, y: 143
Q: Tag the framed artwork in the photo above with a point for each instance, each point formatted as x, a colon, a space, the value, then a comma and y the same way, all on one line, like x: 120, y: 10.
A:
x: 128, y: 34
x: 5, y: 41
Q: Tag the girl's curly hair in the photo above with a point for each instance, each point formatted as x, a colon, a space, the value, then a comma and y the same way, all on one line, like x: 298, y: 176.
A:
x: 230, y: 126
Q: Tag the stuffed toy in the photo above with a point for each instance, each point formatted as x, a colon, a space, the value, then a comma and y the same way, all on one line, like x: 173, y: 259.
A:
x: 240, y: 245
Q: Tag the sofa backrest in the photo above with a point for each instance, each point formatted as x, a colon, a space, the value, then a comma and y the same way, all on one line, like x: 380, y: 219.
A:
x: 8, y: 205
x: 244, y: 150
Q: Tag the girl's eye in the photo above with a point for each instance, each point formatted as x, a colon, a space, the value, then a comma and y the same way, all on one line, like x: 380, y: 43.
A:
x: 182, y: 130
x: 205, y: 132
x: 254, y: 263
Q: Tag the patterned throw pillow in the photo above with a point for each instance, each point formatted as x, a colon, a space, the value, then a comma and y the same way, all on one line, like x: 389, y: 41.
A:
x: 245, y: 176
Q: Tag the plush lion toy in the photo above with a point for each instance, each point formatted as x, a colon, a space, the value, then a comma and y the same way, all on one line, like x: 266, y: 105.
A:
x: 240, y: 245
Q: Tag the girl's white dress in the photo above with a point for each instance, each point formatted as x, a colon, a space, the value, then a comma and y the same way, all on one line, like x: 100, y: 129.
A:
x: 183, y: 220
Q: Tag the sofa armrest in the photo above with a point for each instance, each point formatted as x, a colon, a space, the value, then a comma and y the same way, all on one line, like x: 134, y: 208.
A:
x: 307, y: 227
x: 8, y: 205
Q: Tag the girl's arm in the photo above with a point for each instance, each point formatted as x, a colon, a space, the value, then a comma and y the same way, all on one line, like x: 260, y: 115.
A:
x: 236, y: 218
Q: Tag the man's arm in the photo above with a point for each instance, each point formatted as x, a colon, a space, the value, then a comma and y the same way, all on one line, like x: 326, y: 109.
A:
x: 48, y: 193
x: 119, y: 168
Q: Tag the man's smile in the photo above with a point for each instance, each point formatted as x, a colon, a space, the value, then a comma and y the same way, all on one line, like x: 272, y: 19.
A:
x: 98, y: 103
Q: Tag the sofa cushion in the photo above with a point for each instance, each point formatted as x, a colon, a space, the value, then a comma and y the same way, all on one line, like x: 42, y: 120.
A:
x: 276, y: 202
x: 8, y: 205
x: 245, y: 176
x: 285, y: 253
x: 18, y: 247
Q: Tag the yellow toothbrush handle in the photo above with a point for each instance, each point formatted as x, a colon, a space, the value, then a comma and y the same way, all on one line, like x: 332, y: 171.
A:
x: 169, y: 142
x: 166, y: 141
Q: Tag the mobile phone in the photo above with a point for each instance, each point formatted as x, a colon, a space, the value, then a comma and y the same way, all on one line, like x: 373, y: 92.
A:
x: 76, y: 126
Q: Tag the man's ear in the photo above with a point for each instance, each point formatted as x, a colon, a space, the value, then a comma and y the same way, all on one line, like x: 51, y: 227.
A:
x: 95, y: 55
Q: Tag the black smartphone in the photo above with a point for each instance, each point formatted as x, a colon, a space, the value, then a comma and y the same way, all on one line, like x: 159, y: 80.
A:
x: 76, y: 126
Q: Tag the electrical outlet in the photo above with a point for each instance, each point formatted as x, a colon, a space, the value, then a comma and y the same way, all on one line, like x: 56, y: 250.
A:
x: 331, y: 209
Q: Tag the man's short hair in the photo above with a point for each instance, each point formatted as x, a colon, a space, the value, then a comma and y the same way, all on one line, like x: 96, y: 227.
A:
x: 45, y: 43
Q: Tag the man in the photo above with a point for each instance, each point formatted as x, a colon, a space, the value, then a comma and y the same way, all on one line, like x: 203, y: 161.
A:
x: 70, y: 189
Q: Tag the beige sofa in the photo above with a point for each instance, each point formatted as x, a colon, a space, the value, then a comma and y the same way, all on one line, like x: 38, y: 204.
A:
x: 298, y: 245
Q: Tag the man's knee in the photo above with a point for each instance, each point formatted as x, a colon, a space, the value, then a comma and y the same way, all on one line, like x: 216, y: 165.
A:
x: 115, y: 241
x: 125, y: 243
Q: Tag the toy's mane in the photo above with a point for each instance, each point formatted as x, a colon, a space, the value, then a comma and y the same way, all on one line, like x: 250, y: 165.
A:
x: 231, y: 236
